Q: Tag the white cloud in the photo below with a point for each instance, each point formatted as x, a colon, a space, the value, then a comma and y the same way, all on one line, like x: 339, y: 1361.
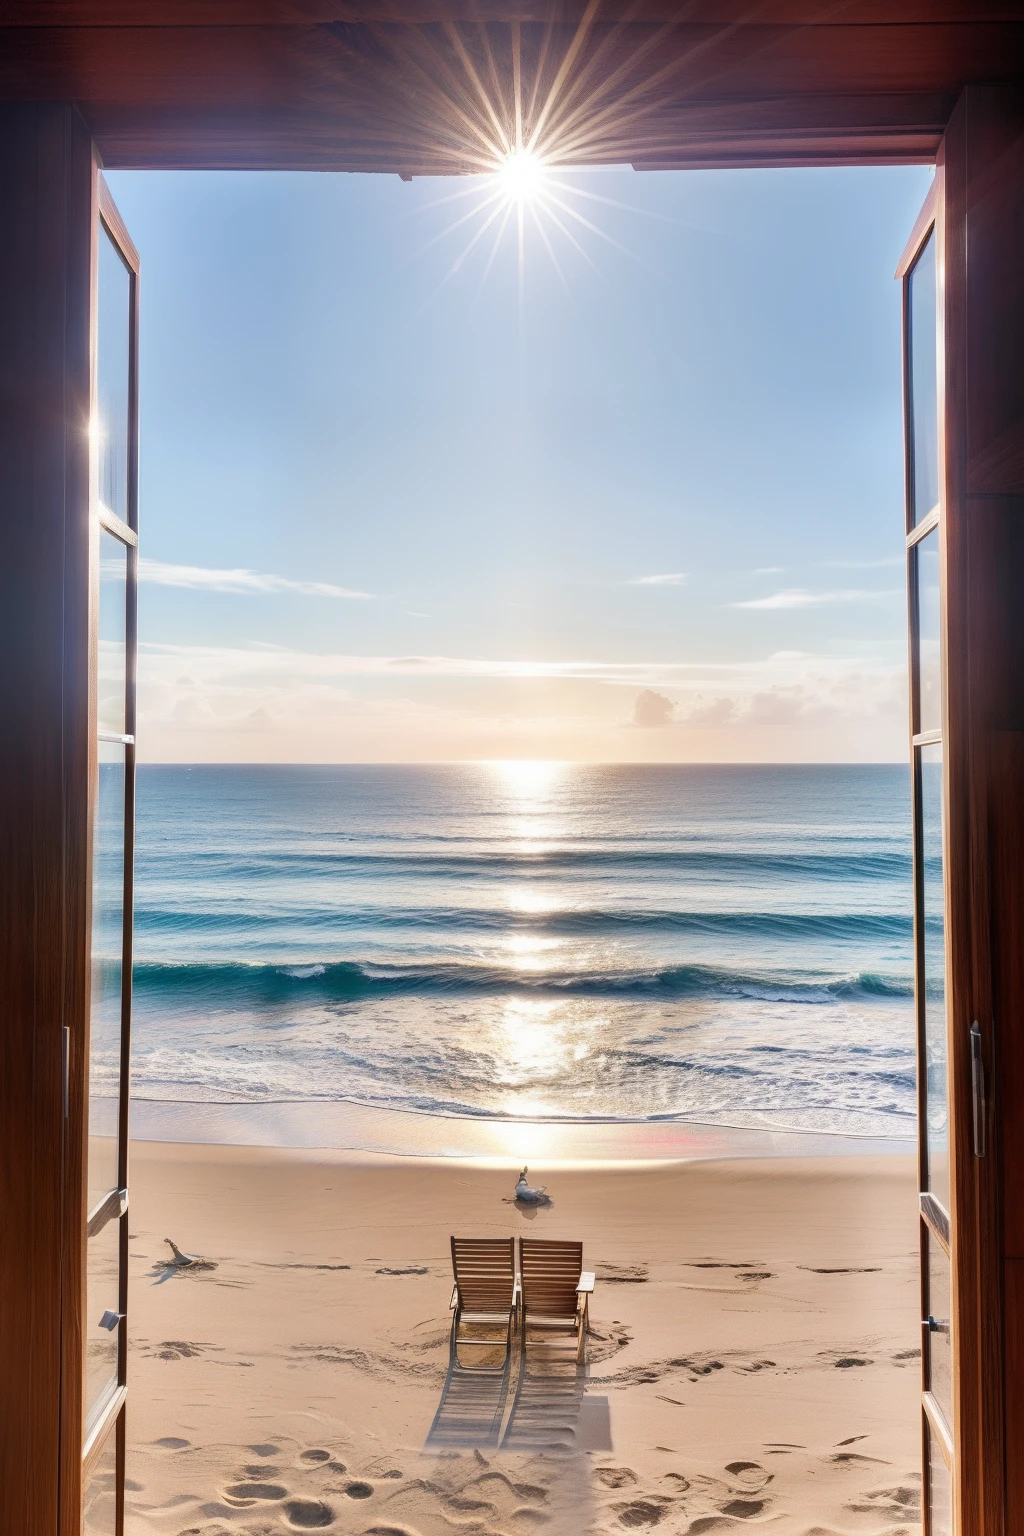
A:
x: 670, y: 579
x: 652, y: 709
x: 200, y: 578
x: 799, y: 597
x: 863, y: 565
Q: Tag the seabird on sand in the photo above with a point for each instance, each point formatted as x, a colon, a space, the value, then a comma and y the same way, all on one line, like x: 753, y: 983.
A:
x: 531, y: 1194
x: 187, y: 1260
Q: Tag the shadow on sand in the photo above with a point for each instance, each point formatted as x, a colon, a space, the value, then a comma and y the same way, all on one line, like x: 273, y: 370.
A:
x: 472, y: 1406
x: 549, y: 1408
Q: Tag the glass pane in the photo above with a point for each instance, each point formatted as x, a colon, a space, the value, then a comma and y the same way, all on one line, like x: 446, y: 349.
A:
x: 924, y: 394
x: 107, y: 940
x: 112, y: 354
x: 940, y: 1488
x: 938, y: 1340
x: 932, y: 985
x: 113, y: 620
x: 929, y: 704
x: 101, y: 1297
x: 99, y: 1498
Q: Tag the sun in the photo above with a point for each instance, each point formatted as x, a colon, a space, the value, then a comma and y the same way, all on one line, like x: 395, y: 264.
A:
x: 521, y: 174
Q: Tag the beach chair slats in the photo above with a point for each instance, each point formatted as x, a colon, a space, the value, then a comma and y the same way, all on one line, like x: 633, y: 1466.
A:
x: 550, y: 1273
x: 485, y: 1273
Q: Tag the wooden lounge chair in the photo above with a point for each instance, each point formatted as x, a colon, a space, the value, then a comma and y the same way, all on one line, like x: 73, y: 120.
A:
x: 555, y: 1290
x: 485, y: 1289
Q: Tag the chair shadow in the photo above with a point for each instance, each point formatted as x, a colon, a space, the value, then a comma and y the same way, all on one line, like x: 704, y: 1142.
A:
x: 550, y: 1408
x: 548, y: 1401
x: 472, y: 1406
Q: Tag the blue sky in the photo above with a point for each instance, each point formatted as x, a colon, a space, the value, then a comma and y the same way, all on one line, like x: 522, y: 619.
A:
x: 652, y: 512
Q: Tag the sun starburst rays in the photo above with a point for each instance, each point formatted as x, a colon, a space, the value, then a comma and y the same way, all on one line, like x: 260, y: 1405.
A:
x: 520, y: 109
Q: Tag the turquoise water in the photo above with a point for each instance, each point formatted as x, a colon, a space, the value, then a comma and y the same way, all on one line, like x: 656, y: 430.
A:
x: 725, y: 945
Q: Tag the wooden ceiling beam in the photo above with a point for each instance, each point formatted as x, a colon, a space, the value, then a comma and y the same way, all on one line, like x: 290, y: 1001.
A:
x: 325, y: 84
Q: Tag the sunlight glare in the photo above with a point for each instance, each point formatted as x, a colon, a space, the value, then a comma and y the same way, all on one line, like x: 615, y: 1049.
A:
x: 521, y: 174
x: 528, y: 778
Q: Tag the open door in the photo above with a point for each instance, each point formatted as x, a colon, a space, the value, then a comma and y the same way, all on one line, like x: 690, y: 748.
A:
x: 922, y: 343
x: 114, y: 568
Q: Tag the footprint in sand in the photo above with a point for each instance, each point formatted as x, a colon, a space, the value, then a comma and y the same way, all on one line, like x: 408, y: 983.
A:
x: 743, y: 1509
x: 677, y: 1482
x: 179, y: 1349
x: 750, y: 1475
x: 265, y: 1450
x: 314, y: 1455
x: 360, y: 1490
x: 615, y: 1477
x: 308, y: 1514
x: 641, y: 1513
x: 173, y: 1443
x: 243, y: 1494
x: 900, y: 1501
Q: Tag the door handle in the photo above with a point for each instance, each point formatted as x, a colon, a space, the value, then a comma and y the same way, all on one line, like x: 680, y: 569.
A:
x: 978, y: 1090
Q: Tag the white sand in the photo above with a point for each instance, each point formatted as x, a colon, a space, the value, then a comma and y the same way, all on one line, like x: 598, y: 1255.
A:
x: 754, y: 1363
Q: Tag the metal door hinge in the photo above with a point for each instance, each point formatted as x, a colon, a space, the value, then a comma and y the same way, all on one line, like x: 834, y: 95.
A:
x: 978, y: 1090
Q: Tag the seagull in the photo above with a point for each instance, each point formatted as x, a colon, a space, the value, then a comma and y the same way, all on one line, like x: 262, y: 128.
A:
x: 187, y: 1260
x: 531, y: 1194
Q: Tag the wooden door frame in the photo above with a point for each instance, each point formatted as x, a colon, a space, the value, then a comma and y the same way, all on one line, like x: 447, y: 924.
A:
x: 982, y: 163
x: 112, y: 1421
x: 49, y: 188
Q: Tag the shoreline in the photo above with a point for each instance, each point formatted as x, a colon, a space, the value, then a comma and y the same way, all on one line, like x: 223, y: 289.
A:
x: 342, y: 1125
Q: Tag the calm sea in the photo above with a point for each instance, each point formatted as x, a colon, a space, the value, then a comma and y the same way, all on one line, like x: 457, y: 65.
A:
x: 723, y: 945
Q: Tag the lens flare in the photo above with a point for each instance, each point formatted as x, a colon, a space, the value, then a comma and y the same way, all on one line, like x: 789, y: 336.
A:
x: 521, y: 174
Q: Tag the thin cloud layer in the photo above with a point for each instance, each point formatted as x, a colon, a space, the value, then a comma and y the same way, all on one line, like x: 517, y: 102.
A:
x: 669, y: 579
x: 267, y: 703
x: 200, y: 578
x: 273, y: 661
x: 799, y: 597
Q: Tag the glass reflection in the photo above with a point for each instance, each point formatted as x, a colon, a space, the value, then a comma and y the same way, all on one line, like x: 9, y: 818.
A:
x: 924, y: 380
x: 107, y: 942
x: 113, y: 630
x: 112, y: 376
x: 103, y: 1260
x: 940, y: 1488
x: 932, y: 987
x: 939, y: 1339
x: 99, y: 1497
x: 929, y: 704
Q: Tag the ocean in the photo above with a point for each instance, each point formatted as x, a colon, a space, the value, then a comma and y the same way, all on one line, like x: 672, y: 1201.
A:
x: 727, y: 946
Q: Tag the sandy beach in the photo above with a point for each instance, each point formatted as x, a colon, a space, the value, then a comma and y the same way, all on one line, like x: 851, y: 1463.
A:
x: 753, y: 1360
